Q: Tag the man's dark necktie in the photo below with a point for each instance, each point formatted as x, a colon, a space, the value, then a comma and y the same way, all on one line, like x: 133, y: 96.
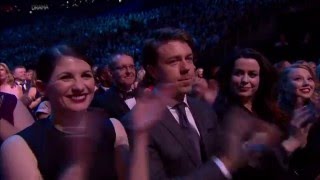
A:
x: 189, y: 131
x: 22, y: 85
x: 24, y: 90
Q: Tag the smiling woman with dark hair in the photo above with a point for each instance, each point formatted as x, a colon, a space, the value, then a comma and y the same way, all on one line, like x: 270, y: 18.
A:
x: 248, y: 79
x: 74, y: 142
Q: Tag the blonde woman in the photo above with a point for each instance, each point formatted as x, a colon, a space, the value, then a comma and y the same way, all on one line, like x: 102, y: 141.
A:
x: 297, y: 92
x: 7, y: 84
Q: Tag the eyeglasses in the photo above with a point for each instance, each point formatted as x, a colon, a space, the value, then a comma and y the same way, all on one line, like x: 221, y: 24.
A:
x: 124, y: 68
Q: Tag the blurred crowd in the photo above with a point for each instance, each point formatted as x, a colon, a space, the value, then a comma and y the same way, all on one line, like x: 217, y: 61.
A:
x: 208, y: 21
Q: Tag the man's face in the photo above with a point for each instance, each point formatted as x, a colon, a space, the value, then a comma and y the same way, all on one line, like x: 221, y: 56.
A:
x: 105, y: 77
x: 20, y: 74
x: 124, y: 72
x: 175, y: 66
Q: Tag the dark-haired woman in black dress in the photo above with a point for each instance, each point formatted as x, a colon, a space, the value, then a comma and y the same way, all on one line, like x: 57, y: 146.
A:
x: 74, y: 143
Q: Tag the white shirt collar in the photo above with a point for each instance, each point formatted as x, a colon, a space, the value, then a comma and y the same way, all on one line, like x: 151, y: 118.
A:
x: 184, y: 100
x: 104, y: 88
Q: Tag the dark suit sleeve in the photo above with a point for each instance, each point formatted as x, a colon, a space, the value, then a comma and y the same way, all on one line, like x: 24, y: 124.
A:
x: 208, y: 171
x: 95, y: 101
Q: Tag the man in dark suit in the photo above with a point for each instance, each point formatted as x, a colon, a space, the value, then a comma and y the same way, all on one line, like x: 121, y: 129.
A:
x: 184, y: 143
x: 103, y: 77
x: 120, y: 98
x: 19, y: 74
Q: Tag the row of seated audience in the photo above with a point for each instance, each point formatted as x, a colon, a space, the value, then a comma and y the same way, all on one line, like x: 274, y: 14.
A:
x: 251, y: 122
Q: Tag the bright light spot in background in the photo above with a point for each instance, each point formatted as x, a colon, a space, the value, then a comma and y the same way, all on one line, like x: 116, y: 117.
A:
x: 120, y: 1
x: 30, y: 12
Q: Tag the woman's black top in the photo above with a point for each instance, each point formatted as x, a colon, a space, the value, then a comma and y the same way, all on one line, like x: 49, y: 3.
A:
x: 50, y: 147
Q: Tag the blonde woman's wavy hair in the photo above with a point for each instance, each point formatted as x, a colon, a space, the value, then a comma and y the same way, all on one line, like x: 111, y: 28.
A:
x: 287, y: 100
x: 10, y: 79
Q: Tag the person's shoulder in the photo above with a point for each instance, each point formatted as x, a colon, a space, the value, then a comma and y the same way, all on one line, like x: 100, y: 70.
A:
x: 7, y: 98
x: 16, y: 152
x: 118, y: 127
x: 115, y: 122
x: 35, y: 129
x: 112, y: 123
x: 13, y: 143
x: 121, y: 135
x: 7, y: 95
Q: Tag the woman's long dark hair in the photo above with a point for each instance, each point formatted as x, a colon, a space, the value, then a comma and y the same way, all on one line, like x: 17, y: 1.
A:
x: 265, y: 100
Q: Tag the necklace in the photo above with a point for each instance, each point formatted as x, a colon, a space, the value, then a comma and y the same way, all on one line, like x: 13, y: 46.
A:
x: 71, y: 131
x: 79, y: 130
